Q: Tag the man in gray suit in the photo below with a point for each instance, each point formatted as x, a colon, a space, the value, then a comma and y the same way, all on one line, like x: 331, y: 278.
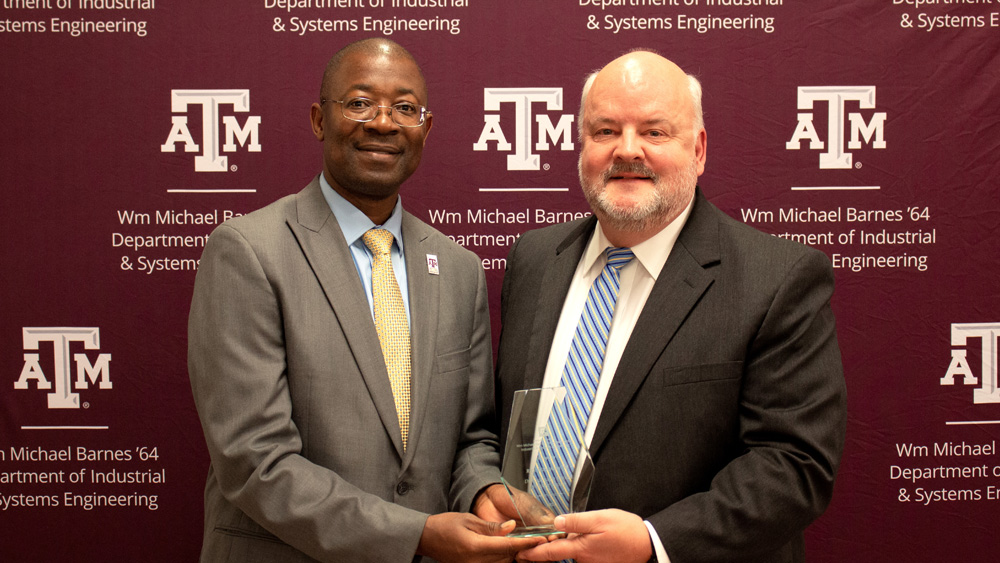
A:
x: 345, y: 388
x: 716, y: 414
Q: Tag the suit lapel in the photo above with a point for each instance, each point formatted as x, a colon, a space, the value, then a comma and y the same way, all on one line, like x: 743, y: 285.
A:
x: 677, y: 290
x: 323, y: 244
x: 424, y: 292
x: 551, y: 295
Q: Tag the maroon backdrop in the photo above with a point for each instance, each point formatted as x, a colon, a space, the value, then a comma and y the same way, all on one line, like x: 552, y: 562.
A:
x: 869, y: 129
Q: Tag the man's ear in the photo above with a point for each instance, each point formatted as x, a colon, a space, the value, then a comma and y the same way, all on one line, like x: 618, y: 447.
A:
x: 428, y: 122
x: 701, y: 150
x: 316, y: 120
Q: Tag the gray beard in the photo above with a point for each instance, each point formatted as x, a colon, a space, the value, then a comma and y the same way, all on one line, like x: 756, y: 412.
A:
x: 666, y: 201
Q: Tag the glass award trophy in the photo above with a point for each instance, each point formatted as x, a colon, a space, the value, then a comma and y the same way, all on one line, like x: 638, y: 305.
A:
x: 522, y: 474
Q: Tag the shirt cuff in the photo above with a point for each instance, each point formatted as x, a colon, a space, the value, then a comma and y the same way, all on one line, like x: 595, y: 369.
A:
x: 659, y: 553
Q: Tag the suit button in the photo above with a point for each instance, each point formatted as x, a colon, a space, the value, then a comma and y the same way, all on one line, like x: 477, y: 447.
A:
x: 402, y: 488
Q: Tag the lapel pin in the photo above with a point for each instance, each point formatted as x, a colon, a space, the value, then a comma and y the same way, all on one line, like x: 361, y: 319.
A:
x: 432, y: 264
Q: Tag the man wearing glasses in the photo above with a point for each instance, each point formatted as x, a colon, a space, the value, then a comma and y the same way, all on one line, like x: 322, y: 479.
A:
x: 340, y: 353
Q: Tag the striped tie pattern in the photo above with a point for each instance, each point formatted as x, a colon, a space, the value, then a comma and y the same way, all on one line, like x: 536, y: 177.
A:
x: 552, y: 474
x: 390, y: 323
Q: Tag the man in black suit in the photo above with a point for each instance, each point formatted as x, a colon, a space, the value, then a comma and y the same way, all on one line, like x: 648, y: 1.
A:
x: 717, y: 418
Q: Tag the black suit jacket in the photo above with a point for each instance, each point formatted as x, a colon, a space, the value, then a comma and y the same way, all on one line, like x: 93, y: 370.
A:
x: 724, y: 424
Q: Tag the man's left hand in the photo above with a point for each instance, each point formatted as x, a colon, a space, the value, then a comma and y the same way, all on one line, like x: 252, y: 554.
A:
x: 600, y: 536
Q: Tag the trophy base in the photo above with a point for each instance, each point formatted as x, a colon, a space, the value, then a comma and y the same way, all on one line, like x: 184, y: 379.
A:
x: 535, y: 532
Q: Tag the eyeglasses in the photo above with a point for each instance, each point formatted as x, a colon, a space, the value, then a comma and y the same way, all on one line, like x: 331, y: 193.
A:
x: 363, y: 110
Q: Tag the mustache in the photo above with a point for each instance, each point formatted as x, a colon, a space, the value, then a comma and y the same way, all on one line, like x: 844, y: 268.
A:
x: 638, y: 168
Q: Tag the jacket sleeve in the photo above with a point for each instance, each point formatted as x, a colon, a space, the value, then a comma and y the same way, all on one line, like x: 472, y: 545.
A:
x: 477, y: 461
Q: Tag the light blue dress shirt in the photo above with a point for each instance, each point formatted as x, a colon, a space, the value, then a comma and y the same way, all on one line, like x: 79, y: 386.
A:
x: 354, y: 224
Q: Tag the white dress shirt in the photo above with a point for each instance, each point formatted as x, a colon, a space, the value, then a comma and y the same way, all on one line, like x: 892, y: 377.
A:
x: 637, y: 279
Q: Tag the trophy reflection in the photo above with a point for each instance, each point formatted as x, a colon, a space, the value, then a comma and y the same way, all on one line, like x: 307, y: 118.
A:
x: 546, y: 468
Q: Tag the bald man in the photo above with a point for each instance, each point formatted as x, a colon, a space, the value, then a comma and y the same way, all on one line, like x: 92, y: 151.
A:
x: 343, y: 383
x: 713, y: 404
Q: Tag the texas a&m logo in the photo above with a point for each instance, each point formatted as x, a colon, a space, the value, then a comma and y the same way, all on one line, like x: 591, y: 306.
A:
x: 959, y: 369
x: 59, y: 382
x: 524, y: 121
x: 837, y: 99
x: 212, y: 102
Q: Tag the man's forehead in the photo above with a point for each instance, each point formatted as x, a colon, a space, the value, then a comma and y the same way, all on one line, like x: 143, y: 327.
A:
x: 399, y: 90
x: 650, y: 107
x: 643, y: 74
x: 370, y: 71
x: 640, y: 66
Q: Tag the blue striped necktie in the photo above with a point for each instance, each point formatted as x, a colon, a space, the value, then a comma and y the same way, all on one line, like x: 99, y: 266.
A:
x: 552, y: 474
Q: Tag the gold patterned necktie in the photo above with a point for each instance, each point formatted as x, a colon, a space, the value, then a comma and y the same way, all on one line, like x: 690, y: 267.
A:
x: 391, y: 324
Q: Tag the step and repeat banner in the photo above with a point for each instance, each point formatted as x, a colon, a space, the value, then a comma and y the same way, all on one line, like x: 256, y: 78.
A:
x: 868, y: 129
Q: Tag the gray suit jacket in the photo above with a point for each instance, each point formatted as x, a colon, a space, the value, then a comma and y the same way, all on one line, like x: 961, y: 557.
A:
x: 724, y: 423
x: 294, y: 398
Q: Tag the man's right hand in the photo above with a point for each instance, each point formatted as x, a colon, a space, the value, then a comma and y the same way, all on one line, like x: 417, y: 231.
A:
x: 494, y: 504
x: 457, y: 537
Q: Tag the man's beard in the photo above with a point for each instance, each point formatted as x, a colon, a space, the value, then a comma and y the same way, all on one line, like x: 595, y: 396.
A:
x: 658, y: 206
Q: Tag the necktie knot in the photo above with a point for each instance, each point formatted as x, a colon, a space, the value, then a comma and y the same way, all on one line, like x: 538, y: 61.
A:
x: 379, y: 241
x: 619, y: 257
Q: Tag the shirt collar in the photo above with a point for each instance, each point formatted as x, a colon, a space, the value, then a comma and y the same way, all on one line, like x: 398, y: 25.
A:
x: 651, y: 253
x: 353, y: 223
